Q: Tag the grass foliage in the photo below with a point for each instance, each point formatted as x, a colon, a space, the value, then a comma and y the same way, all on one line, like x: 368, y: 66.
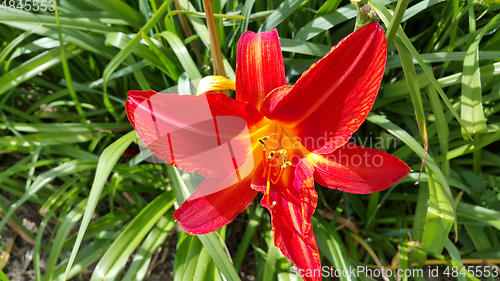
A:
x: 64, y: 76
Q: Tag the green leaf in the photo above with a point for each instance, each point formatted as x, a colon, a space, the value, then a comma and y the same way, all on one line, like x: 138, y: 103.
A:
x: 443, y: 130
x: 472, y: 106
x: 270, y: 266
x: 478, y: 237
x: 306, y: 48
x: 396, y: 20
x: 210, y: 240
x: 32, y: 67
x: 247, y: 237
x: 122, y: 55
x: 3, y: 277
x: 182, y: 54
x: 439, y: 220
x: 50, y: 138
x: 478, y: 214
x: 115, y: 258
x: 285, y: 9
x: 386, y: 17
x: 327, y: 7
x: 121, y: 10
x: 416, y: 99
x: 332, y: 247
x: 105, y: 165
x: 19, y: 16
x: 67, y: 168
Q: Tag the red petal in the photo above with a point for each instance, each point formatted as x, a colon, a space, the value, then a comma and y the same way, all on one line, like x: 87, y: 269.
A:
x: 292, y: 202
x: 206, y: 211
x: 259, y: 66
x: 206, y: 134
x: 357, y: 169
x: 134, y: 99
x: 331, y: 100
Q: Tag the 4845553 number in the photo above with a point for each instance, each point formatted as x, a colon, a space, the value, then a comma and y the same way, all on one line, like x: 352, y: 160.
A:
x: 472, y: 271
x: 28, y: 5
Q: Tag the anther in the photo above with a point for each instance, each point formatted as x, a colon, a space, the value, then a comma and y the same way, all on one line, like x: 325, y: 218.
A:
x: 264, y: 148
x: 271, y: 155
x: 262, y: 141
x: 284, y: 153
x: 268, y: 160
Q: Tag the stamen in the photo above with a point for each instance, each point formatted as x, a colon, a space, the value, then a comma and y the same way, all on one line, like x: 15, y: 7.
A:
x: 262, y: 141
x: 282, y: 170
x: 264, y: 148
x: 271, y: 155
x: 267, y: 161
x: 281, y: 152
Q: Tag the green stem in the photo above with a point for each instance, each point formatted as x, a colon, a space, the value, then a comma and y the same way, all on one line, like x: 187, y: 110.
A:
x: 396, y: 20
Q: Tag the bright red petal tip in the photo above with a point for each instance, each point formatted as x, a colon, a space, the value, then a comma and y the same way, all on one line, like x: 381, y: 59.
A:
x: 135, y: 98
x: 206, y: 211
x: 359, y: 170
x: 331, y: 100
x: 259, y: 66
x: 292, y: 202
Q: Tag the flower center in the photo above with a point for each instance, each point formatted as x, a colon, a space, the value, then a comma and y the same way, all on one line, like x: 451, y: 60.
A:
x: 280, y: 150
x: 274, y: 160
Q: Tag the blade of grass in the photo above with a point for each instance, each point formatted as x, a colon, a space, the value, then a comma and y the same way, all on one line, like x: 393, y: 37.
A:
x: 472, y: 107
x: 33, y: 66
x: 386, y: 17
x: 43, y: 225
x: 116, y: 256
x: 13, y: 44
x: 205, y: 266
x: 67, y: 168
x: 396, y: 20
x: 182, y: 54
x: 479, y: 214
x: 183, y: 245
x: 122, y: 55
x: 106, y: 163
x: 442, y: 127
x: 63, y: 231
x: 285, y: 9
x: 247, y: 237
x: 332, y: 246
x: 478, y: 237
x: 210, y: 240
x: 416, y: 98
x: 439, y: 220
x: 270, y: 265
x: 202, y: 32
x: 67, y: 73
x: 18, y: 16
x: 120, y: 10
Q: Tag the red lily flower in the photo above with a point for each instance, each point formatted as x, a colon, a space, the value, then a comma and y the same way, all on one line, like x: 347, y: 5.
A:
x: 274, y: 139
